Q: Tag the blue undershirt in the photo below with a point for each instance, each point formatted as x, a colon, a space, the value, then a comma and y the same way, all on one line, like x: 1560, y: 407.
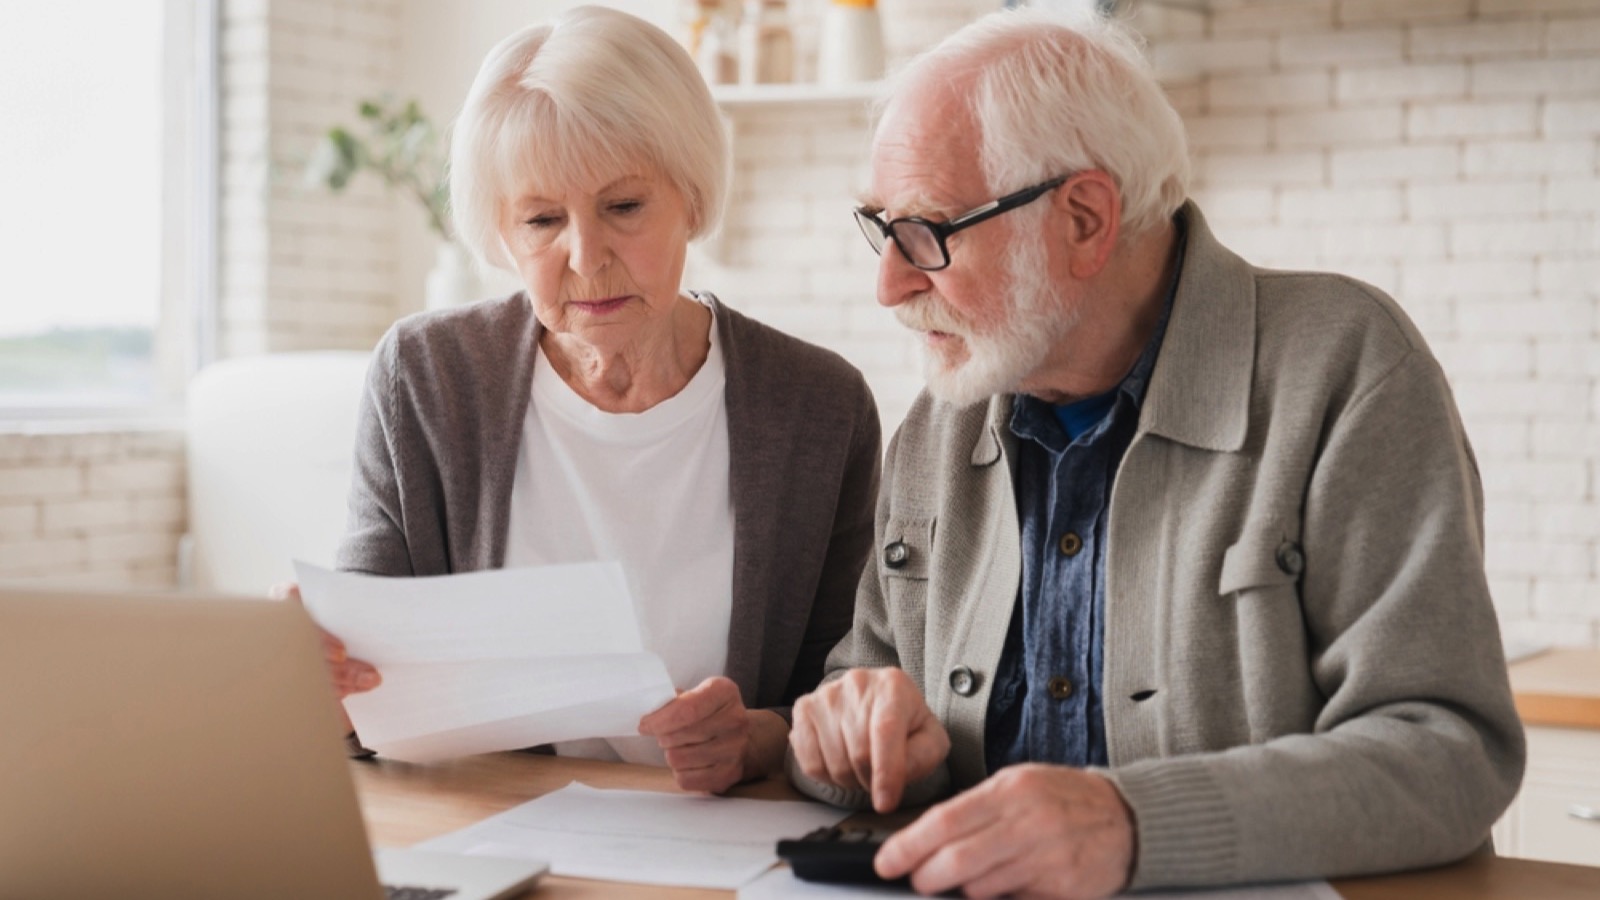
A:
x: 1078, y: 418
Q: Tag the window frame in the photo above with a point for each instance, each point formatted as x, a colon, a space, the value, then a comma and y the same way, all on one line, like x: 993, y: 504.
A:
x: 184, y: 339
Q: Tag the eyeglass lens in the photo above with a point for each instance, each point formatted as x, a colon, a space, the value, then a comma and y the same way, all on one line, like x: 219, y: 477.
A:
x: 920, y: 245
x: 872, y: 231
x: 916, y: 241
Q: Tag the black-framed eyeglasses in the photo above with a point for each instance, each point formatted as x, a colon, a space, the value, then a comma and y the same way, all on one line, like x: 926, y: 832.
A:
x: 922, y: 242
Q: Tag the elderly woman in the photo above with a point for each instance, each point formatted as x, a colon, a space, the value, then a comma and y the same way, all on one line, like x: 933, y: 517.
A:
x: 605, y: 413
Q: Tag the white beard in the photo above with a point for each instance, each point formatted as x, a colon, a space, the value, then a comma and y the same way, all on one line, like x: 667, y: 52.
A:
x: 1035, y: 319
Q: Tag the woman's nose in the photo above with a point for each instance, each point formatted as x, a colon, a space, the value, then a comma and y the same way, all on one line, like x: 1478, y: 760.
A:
x: 588, y: 251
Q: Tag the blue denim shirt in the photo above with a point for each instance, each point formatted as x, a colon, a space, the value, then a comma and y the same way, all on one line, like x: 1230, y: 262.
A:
x: 1046, y: 705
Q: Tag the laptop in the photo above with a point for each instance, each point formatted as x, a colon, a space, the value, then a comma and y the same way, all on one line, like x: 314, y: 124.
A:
x: 186, y: 747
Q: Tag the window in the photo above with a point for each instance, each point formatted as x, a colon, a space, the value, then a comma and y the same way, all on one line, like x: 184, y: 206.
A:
x: 99, y: 178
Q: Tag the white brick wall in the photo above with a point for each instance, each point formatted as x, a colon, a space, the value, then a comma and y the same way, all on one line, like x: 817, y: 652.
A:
x: 302, y: 269
x: 790, y: 254
x: 96, y: 507
x: 1479, y: 209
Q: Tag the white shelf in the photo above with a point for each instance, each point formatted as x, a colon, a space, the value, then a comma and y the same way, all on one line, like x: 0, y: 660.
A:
x: 756, y: 96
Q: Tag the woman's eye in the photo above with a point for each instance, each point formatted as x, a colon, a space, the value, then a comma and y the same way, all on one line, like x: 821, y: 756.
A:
x: 544, y: 221
x: 625, y: 207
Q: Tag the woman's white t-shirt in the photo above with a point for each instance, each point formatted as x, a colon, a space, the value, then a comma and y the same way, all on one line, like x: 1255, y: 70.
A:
x: 649, y: 490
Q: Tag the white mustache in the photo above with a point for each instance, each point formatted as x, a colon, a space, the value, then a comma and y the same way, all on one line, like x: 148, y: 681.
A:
x: 925, y: 312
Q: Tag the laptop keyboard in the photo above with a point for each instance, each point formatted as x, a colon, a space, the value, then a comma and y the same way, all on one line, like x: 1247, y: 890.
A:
x: 407, y: 892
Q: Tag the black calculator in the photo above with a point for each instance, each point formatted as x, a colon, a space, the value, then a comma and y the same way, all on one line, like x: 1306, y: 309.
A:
x: 840, y: 854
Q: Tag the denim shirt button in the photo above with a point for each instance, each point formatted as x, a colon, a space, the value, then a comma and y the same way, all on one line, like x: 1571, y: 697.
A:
x: 1060, y: 687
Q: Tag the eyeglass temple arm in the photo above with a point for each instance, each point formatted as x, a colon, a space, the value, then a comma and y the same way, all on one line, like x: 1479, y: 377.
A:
x: 973, y: 217
x: 996, y: 207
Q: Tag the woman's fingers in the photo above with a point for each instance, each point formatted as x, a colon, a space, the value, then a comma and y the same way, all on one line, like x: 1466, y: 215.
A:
x: 353, y: 677
x: 332, y: 648
x: 715, y: 750
x: 705, y: 708
x: 350, y: 676
x: 704, y: 734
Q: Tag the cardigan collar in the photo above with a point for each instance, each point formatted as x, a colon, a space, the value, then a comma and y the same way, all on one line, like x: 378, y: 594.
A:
x: 1199, y: 393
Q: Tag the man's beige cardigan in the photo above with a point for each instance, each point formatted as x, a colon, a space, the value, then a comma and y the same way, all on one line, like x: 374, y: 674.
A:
x: 1303, y: 671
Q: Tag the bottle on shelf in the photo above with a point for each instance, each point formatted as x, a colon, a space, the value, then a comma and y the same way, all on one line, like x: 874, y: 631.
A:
x: 850, y: 49
x: 693, y: 18
x: 766, y: 43
x: 715, y: 54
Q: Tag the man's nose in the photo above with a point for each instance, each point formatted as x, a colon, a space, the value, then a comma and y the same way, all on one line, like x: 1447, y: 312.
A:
x: 898, y: 279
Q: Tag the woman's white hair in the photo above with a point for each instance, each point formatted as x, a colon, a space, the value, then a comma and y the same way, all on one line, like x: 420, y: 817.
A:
x: 1058, y: 93
x: 594, y: 94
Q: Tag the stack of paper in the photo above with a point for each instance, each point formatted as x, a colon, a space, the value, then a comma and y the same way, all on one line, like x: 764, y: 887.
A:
x: 490, y: 661
x: 643, y: 836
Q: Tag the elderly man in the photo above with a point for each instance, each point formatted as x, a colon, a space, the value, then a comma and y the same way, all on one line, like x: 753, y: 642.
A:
x: 1179, y: 573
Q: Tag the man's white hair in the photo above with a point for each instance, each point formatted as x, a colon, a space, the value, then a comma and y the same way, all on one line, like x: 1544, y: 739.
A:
x: 592, y: 95
x: 1057, y: 93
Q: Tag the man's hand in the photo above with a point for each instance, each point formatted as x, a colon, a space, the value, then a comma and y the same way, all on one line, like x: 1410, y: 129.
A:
x: 710, y: 739
x: 1029, y: 830
x: 869, y: 730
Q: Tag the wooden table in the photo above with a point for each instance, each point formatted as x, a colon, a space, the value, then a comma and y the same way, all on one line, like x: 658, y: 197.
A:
x: 1560, y: 688
x: 404, y: 804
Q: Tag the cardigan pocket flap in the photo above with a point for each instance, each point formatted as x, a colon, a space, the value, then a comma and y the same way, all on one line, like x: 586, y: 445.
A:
x: 906, y: 549
x: 1260, y: 560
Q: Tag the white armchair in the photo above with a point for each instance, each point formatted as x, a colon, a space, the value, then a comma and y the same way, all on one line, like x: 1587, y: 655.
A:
x: 270, y: 441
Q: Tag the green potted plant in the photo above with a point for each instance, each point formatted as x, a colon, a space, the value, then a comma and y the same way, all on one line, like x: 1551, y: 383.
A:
x: 400, y: 145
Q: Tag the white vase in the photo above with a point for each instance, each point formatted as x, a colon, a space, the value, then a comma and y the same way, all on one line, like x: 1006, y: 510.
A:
x: 452, y: 282
x: 851, y: 46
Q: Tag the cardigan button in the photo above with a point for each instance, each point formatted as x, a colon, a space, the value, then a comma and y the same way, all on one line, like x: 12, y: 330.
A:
x: 1291, y: 559
x: 896, y: 554
x: 1060, y: 687
x: 963, y: 681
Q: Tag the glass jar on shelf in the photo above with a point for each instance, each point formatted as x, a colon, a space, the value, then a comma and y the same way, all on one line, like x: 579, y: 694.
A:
x: 766, y: 43
x: 850, y: 49
x: 715, y: 51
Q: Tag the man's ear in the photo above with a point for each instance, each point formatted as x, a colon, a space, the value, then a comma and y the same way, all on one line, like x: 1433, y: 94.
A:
x: 1089, y: 211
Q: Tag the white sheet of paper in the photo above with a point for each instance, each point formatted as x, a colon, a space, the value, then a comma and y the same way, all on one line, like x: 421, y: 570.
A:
x: 780, y: 884
x: 643, y: 836
x: 489, y: 661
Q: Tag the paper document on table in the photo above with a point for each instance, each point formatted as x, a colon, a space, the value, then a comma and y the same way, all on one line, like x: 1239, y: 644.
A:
x: 686, y: 840
x: 781, y: 884
x: 492, y: 660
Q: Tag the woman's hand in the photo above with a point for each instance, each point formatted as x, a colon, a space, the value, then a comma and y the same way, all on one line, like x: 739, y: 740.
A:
x: 712, y: 742
x: 350, y: 676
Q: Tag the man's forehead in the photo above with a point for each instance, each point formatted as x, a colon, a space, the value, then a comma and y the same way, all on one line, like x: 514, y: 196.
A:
x: 923, y: 161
